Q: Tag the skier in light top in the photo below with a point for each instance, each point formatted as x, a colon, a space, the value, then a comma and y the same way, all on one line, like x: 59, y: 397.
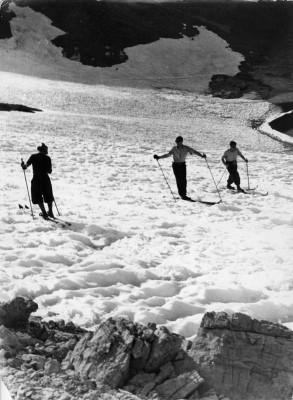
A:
x: 179, y: 153
x: 229, y: 159
x: 41, y: 188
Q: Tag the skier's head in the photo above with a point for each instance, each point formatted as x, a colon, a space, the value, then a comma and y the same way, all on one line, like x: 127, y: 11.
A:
x: 233, y: 144
x: 179, y: 139
x: 43, y: 149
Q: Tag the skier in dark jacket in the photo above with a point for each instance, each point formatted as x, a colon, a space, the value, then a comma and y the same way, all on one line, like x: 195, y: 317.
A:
x: 179, y: 153
x: 41, y: 188
x: 229, y: 159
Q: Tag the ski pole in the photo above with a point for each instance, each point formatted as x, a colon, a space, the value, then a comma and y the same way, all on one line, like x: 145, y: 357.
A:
x: 166, y: 181
x: 247, y: 176
x: 28, y: 191
x: 213, y: 178
x: 56, y: 207
x: 221, y: 178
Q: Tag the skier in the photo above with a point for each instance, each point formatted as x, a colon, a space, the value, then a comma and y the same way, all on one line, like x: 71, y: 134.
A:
x: 179, y: 153
x: 229, y: 159
x: 41, y: 188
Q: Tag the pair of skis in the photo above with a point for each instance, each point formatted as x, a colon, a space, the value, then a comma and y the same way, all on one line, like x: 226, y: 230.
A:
x: 251, y: 191
x: 55, y: 220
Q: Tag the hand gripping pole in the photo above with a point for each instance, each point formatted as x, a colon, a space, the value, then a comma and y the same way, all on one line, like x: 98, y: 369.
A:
x: 28, y: 192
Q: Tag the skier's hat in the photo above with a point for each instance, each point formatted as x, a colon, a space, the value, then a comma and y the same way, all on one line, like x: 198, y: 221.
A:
x: 42, y: 148
x: 232, y: 143
x: 179, y: 139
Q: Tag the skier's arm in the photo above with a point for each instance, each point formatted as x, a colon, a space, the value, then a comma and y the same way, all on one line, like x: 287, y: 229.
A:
x: 192, y: 151
x: 165, y: 155
x: 156, y: 157
x: 224, y: 160
x: 49, y: 171
x: 242, y: 156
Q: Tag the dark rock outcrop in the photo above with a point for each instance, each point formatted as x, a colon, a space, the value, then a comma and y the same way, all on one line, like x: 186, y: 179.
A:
x: 15, y: 314
x: 17, y: 107
x: 233, y: 87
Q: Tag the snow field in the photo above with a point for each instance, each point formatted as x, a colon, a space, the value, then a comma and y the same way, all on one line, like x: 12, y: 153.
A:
x: 131, y: 249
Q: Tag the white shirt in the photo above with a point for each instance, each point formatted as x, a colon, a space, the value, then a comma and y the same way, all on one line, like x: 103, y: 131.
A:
x: 180, y: 154
x: 231, y: 156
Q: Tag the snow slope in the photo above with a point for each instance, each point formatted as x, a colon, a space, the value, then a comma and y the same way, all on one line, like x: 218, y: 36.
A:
x: 131, y: 249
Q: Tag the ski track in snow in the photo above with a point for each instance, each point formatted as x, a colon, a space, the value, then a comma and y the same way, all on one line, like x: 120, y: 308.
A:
x: 132, y: 250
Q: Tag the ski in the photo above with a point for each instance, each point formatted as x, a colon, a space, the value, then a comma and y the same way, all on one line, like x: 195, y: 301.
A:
x: 53, y: 220
x: 57, y: 220
x: 62, y: 220
x: 210, y: 203
x: 251, y: 193
x: 257, y: 193
x: 191, y: 200
x: 235, y: 190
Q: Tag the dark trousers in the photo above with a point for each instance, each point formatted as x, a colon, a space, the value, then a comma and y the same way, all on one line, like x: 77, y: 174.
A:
x: 233, y: 174
x: 179, y: 170
x: 41, y: 189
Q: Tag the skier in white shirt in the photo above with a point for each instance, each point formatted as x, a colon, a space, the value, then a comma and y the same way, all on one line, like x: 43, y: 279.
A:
x: 229, y: 159
x: 179, y: 153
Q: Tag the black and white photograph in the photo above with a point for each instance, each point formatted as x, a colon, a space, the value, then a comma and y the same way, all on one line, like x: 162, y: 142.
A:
x: 146, y: 200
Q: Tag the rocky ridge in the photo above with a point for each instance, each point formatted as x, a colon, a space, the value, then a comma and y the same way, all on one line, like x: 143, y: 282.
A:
x: 233, y: 357
x: 17, y: 107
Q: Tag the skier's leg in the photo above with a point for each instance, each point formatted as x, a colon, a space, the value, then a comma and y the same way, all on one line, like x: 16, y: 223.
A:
x: 180, y: 175
x: 50, y: 208
x: 231, y: 177
x: 48, y: 196
x: 44, y: 212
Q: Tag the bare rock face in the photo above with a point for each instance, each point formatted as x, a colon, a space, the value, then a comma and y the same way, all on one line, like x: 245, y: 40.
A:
x: 234, y: 357
x: 8, y: 340
x: 244, y: 358
x: 140, y: 359
x: 103, y: 355
x: 180, y: 387
x: 232, y: 87
x: 15, y: 314
x: 165, y: 347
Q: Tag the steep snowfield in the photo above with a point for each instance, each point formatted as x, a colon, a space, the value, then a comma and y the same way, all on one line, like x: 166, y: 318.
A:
x: 131, y: 249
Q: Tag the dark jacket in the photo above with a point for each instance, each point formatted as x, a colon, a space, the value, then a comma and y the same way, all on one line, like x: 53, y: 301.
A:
x: 41, y: 163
